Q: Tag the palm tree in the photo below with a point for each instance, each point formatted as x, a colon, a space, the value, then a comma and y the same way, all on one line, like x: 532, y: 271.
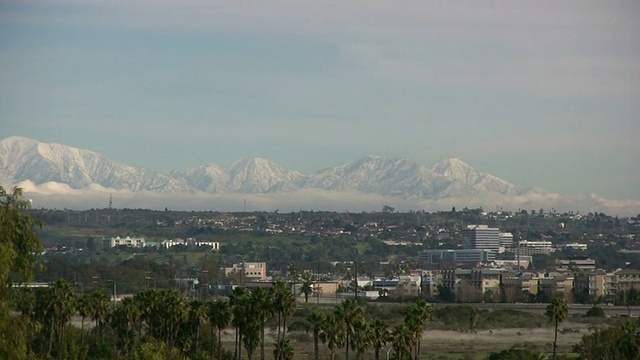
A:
x: 262, y: 303
x: 362, y: 337
x: 219, y: 316
x: 314, y: 322
x: 306, y: 290
x: 284, y: 303
x: 474, y: 314
x: 416, y: 316
x: 283, y: 349
x: 84, y: 307
x: 197, y: 313
x: 380, y: 334
x: 401, y: 339
x: 349, y: 312
x: 100, y: 305
x: 63, y: 302
x: 238, y: 300
x: 332, y: 334
x: 557, y: 311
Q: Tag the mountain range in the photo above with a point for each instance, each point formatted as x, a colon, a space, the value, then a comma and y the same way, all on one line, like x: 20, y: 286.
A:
x: 23, y: 159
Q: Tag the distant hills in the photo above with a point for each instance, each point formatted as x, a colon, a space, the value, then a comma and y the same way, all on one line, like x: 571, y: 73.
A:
x: 58, y: 175
x: 24, y: 159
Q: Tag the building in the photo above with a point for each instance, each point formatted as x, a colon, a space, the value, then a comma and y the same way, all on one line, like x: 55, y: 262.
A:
x: 249, y: 271
x: 579, y: 263
x: 482, y: 237
x: 590, y: 284
x: 627, y: 279
x: 530, y: 248
x: 118, y: 241
x: 506, y: 241
x: 434, y: 257
x: 471, y: 285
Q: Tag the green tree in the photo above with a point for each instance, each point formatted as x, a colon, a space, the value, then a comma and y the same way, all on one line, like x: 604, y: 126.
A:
x: 197, y: 314
x: 332, y: 334
x: 416, y: 317
x: 380, y: 334
x: 307, y: 290
x: 314, y: 323
x: 401, y: 339
x: 362, y: 337
x: 614, y: 343
x: 349, y: 312
x: 556, y: 312
x: 19, y: 249
x: 283, y: 349
x: 284, y: 303
x: 219, y: 315
x: 262, y: 303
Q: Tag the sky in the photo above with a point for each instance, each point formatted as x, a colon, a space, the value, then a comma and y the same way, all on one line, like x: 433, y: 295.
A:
x: 543, y: 93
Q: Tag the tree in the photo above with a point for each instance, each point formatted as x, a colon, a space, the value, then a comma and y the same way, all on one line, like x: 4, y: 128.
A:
x: 314, y: 322
x: 614, y: 343
x: 283, y: 349
x: 306, y: 290
x: 557, y: 311
x: 401, y: 339
x: 349, y: 312
x: 380, y: 334
x: 362, y: 337
x: 332, y: 334
x: 416, y: 316
x: 19, y: 244
x: 284, y: 303
x: 262, y: 303
x: 238, y: 300
x: 197, y: 313
x: 219, y: 316
x: 19, y: 249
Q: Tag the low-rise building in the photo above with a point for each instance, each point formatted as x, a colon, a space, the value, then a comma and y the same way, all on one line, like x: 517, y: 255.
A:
x: 249, y: 271
x: 118, y: 241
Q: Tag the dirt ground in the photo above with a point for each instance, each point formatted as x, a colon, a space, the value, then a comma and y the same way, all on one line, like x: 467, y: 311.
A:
x: 442, y: 344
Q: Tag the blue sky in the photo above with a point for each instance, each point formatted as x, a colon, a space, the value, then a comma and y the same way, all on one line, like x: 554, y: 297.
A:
x: 540, y: 93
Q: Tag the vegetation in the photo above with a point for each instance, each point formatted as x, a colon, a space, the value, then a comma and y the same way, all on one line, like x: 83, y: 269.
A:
x: 557, y: 311
x: 162, y: 322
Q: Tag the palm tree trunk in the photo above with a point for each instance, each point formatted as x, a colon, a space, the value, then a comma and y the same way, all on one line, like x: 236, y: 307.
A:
x: 555, y: 340
x: 219, y: 344
x: 82, y: 332
x: 316, y: 350
x: 262, y: 342
x: 51, y: 337
x: 347, y: 342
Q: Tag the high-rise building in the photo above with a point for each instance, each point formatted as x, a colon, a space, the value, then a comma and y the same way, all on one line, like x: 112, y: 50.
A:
x: 506, y: 241
x: 482, y: 237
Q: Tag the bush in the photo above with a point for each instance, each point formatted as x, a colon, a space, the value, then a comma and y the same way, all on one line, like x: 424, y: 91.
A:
x: 515, y: 354
x: 595, y: 311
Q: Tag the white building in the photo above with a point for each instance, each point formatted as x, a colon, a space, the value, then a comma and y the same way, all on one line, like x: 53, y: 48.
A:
x: 118, y: 241
x: 506, y: 241
x: 528, y: 248
x: 482, y: 237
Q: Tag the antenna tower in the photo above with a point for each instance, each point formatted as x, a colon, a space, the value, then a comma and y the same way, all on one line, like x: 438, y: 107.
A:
x: 110, y: 202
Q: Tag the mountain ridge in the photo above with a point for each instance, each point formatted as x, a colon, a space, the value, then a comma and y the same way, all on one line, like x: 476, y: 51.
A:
x: 25, y: 159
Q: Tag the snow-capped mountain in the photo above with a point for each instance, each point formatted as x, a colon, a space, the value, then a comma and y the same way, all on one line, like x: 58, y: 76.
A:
x: 375, y: 174
x: 255, y: 175
x: 23, y: 159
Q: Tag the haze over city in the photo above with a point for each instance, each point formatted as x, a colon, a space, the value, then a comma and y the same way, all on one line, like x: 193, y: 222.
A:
x: 537, y: 93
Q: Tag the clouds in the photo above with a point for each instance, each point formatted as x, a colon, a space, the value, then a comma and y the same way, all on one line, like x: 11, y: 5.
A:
x: 55, y: 195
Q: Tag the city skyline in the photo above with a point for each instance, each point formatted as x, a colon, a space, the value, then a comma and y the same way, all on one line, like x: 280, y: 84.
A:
x: 539, y: 94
